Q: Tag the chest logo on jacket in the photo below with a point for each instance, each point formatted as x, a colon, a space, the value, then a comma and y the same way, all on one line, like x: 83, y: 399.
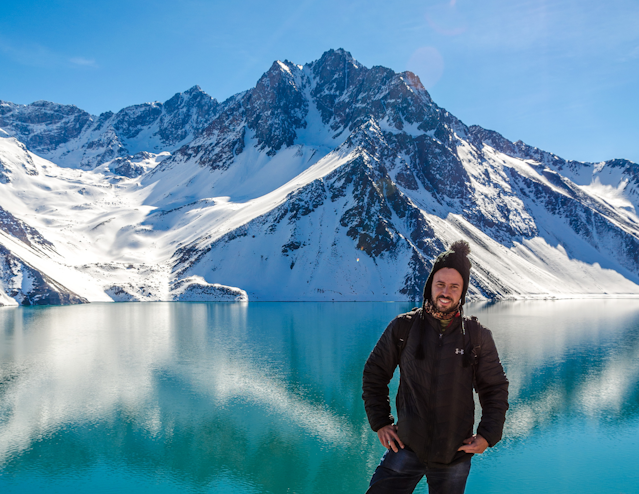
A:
x: 459, y: 351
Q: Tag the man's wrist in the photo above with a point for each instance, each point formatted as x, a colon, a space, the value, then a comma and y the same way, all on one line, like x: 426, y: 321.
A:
x: 483, y: 435
x: 381, y: 427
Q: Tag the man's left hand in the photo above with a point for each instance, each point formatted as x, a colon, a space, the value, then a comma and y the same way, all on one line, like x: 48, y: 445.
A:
x: 475, y: 444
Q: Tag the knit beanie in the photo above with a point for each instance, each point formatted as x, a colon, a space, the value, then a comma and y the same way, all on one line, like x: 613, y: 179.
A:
x: 455, y: 257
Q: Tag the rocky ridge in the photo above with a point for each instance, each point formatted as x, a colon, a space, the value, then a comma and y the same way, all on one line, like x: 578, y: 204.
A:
x: 72, y: 137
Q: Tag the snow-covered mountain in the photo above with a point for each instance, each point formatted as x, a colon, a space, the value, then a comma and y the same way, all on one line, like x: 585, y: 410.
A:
x: 327, y: 181
x: 72, y: 138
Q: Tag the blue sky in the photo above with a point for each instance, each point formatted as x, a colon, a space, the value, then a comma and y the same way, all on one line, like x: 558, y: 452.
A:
x: 560, y: 75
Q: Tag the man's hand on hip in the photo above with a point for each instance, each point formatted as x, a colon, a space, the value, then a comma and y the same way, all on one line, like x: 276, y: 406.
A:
x: 475, y: 444
x: 388, y: 436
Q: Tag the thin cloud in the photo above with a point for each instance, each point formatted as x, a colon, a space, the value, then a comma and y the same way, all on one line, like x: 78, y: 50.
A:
x: 83, y: 62
x: 37, y: 55
x: 32, y: 55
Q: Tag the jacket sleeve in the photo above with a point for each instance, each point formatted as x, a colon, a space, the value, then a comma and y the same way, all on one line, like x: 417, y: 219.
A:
x: 378, y: 371
x: 492, y: 388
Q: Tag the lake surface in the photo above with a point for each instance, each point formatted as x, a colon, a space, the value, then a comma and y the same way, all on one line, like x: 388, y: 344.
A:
x: 266, y: 397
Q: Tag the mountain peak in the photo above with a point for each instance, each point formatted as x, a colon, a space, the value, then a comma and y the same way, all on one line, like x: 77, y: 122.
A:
x: 334, y: 60
x: 194, y: 95
x: 412, y: 80
x: 195, y: 89
x: 339, y: 55
x: 281, y: 67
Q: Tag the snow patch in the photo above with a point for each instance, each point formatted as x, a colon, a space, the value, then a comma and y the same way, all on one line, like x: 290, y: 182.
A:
x: 196, y: 289
x: 613, y: 195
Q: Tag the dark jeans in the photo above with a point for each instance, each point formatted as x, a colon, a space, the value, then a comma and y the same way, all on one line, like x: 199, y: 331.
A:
x: 400, y: 472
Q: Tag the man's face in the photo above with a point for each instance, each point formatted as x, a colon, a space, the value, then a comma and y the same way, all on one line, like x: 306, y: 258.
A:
x: 447, y: 289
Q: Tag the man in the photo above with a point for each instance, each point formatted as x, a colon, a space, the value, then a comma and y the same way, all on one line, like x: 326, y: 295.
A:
x: 441, y: 356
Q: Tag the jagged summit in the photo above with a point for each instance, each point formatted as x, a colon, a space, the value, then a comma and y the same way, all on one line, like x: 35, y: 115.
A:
x: 336, y: 57
x: 193, y: 90
x: 326, y: 181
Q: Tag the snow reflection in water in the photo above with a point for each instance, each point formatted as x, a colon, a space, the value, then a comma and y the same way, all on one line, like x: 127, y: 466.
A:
x: 266, y: 397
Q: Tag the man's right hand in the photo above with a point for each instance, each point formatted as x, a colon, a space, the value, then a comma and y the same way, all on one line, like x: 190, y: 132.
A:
x: 388, y: 437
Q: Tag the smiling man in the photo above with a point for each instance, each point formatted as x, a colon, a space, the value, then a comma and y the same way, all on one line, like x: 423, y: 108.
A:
x: 441, y: 356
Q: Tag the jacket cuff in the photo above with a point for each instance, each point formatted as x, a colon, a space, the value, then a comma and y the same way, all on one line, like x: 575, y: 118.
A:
x: 491, y: 438
x: 378, y: 425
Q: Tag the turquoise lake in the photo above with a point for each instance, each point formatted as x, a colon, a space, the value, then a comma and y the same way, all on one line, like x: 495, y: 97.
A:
x: 266, y: 397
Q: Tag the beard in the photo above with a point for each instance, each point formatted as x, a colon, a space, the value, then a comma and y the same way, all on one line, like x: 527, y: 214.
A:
x: 452, y: 308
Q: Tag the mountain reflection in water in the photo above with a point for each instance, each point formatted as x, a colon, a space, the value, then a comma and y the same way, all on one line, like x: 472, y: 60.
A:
x: 266, y: 397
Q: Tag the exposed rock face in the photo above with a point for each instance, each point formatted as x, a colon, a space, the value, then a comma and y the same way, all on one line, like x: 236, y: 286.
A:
x: 23, y: 232
x: 347, y: 94
x: 276, y: 107
x: 133, y: 166
x: 126, y: 293
x: 43, y: 126
x: 27, y: 286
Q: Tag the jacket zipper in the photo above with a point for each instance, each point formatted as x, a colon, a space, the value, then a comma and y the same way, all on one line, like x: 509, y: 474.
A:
x: 435, y: 382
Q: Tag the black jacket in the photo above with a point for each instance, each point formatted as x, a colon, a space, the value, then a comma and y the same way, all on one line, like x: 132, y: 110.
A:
x: 435, y: 403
